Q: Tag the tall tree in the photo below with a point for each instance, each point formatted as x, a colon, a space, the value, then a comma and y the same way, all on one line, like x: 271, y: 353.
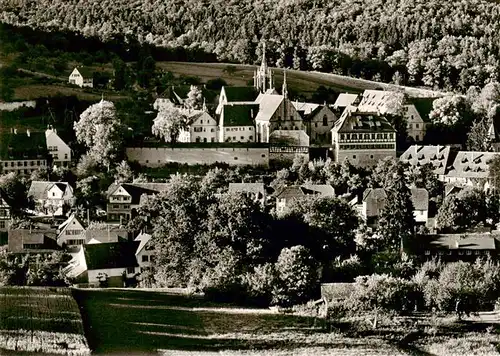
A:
x: 169, y: 123
x: 101, y: 132
x: 194, y: 99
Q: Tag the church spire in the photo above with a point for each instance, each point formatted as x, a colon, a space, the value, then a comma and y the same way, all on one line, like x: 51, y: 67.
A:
x: 284, y: 89
x: 263, y: 64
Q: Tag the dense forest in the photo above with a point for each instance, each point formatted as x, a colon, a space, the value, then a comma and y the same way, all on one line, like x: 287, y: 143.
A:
x: 450, y: 45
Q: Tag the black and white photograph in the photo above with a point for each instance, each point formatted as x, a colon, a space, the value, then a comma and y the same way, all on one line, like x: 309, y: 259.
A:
x: 249, y: 177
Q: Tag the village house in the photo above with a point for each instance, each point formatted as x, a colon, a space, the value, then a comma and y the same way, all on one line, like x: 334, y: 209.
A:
x: 235, y: 95
x: 201, y: 127
x: 416, y: 126
x: 363, y: 137
x: 319, y: 123
x: 83, y: 77
x: 237, y: 123
x: 286, y: 195
x: 256, y: 191
x: 5, y: 212
x: 104, y: 264
x: 374, y: 200
x: 36, y: 239
x: 23, y: 153
x: 58, y: 149
x: 71, y: 232
x: 471, y: 169
x: 51, y: 198
x: 125, y: 198
x: 454, y: 247
x: 145, y: 251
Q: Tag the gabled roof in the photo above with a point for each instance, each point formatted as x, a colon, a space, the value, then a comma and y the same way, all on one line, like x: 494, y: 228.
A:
x: 239, y: 114
x: 306, y: 108
x: 374, y: 194
x: 380, y: 101
x: 111, y: 255
x: 344, y: 100
x: 298, y: 192
x: 269, y: 103
x: 355, y: 120
x: 195, y: 115
x: 378, y: 196
x: 240, y: 94
x: 46, y: 238
x: 437, y: 156
x: 68, y: 221
x: 21, y: 146
x: 136, y: 190
x: 143, y: 239
x: 108, y: 233
x: 247, y: 187
x: 471, y: 164
x: 85, y: 72
x: 38, y: 189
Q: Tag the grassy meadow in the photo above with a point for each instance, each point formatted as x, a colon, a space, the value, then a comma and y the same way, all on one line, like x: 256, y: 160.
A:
x: 40, y: 320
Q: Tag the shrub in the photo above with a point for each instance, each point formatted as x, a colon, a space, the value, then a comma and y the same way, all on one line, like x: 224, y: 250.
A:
x: 296, y: 277
x: 259, y: 283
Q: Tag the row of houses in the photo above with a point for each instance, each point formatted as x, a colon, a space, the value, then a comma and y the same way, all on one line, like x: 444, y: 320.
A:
x: 26, y: 152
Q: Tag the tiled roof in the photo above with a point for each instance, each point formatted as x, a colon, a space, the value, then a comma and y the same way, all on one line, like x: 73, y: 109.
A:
x: 354, y: 120
x: 297, y: 191
x: 344, y: 100
x: 471, y: 164
x: 38, y: 189
x: 109, y: 233
x: 306, y: 108
x: 247, y: 187
x: 111, y: 255
x: 240, y: 94
x: 20, y: 237
x: 269, y: 103
x: 378, y: 196
x: 240, y: 114
x: 21, y: 146
x: 437, y: 156
x: 380, y: 100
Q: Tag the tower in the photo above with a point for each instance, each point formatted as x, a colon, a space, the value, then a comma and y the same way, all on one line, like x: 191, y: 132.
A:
x: 263, y: 76
x: 284, y: 89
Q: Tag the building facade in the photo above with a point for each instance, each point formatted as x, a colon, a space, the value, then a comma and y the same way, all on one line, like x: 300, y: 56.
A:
x: 51, y: 198
x: 58, y: 149
x: 201, y: 128
x: 236, y: 123
x: 83, y: 77
x: 23, y: 153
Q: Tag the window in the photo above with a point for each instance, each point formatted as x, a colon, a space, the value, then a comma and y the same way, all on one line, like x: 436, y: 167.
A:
x: 371, y: 156
x: 145, y: 258
x: 130, y: 270
x: 212, y: 139
x: 227, y: 128
x: 416, y: 125
x: 342, y: 136
x: 242, y: 137
x: 2, y: 224
x: 75, y: 242
x: 212, y: 130
x: 53, y: 194
x: 417, y: 138
x: 469, y: 252
x: 250, y: 137
x: 325, y: 121
x: 427, y: 252
x: 315, y: 124
x: 354, y: 156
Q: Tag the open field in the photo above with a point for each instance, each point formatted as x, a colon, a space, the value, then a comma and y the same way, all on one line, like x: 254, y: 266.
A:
x: 139, y: 322
x: 29, y: 92
x: 40, y: 320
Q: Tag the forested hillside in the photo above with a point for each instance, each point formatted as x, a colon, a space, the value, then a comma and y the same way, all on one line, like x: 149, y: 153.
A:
x: 445, y: 44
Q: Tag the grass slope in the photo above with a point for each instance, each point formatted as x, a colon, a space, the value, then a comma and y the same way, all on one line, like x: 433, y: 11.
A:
x: 143, y: 322
x: 40, y: 320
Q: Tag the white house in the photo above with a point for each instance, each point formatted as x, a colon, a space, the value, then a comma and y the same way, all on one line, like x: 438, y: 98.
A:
x: 145, y: 251
x: 58, y: 149
x: 81, y: 76
x: 236, y: 122
x: 71, y: 232
x: 51, y: 197
x: 416, y: 126
x: 201, y: 128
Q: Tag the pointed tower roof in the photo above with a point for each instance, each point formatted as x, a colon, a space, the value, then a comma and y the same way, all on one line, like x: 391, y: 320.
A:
x: 263, y: 64
x: 491, y: 131
x: 284, y: 90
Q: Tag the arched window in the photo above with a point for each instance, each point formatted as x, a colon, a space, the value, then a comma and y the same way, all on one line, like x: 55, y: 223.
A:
x: 354, y: 136
x: 325, y: 121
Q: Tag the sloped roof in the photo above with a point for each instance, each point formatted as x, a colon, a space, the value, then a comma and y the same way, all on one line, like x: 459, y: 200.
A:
x: 19, y: 237
x: 375, y: 194
x: 344, y: 100
x: 138, y: 189
x: 109, y: 233
x: 471, y: 164
x: 21, y: 146
x: 38, y: 189
x: 111, y: 255
x: 306, y: 108
x: 239, y: 114
x: 242, y: 94
x: 452, y: 189
x: 143, y: 239
x: 355, y: 120
x: 86, y: 72
x: 437, y: 156
x: 380, y: 101
x: 297, y: 191
x: 247, y: 187
x: 464, y: 242
x: 269, y: 103
x: 419, y: 197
